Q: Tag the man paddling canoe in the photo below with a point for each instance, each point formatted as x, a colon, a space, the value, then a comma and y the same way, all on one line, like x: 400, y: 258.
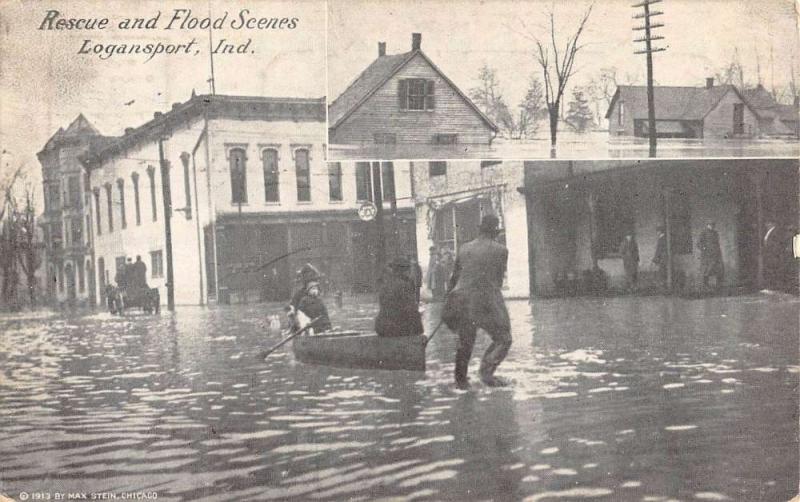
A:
x: 475, y: 301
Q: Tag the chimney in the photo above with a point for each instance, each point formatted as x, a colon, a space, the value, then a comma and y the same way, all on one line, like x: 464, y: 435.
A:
x: 157, y: 115
x: 128, y: 130
x: 709, y: 82
x: 381, y: 49
x: 416, y: 41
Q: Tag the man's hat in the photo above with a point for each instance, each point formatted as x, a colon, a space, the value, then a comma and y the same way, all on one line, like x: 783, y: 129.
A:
x: 489, y: 225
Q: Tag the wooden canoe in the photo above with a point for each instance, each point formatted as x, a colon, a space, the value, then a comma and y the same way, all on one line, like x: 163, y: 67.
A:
x: 361, y: 350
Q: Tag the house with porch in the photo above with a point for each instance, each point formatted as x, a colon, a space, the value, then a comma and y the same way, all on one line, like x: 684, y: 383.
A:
x: 711, y: 111
x: 68, y: 263
x: 404, y: 106
x: 578, y: 213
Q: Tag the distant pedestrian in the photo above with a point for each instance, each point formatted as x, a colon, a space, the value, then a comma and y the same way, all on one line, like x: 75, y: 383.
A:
x: 629, y: 249
x: 436, y: 281
x: 475, y: 300
x: 661, y: 256
x: 139, y: 273
x: 711, y: 255
x: 416, y: 273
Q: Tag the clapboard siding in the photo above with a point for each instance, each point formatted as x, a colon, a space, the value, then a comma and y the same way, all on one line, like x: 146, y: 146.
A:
x: 719, y: 121
x: 381, y: 114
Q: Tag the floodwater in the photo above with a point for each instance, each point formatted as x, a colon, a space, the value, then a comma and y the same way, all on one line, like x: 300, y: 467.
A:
x: 590, y: 145
x: 643, y: 399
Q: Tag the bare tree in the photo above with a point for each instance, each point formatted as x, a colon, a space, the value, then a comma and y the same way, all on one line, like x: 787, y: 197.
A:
x: 557, y: 68
x: 601, y: 89
x: 29, y: 249
x: 531, y: 109
x: 489, y: 99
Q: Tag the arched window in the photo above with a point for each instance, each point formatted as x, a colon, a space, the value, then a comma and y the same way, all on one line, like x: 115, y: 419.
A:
x: 101, y: 275
x: 151, y: 173
x: 135, y: 179
x: 121, y: 187
x: 271, y: 175
x: 110, y: 207
x: 96, y: 192
x: 303, y: 174
x: 238, y: 165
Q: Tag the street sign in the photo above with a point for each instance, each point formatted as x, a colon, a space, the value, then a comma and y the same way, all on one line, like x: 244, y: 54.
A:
x: 367, y: 211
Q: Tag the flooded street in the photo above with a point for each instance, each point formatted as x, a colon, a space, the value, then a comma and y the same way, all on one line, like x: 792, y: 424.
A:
x: 650, y: 399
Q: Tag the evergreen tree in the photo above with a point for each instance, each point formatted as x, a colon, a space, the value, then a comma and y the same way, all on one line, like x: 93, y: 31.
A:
x: 579, y: 114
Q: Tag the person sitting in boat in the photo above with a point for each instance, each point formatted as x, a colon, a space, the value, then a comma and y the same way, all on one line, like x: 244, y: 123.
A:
x: 398, y: 313
x: 307, y: 304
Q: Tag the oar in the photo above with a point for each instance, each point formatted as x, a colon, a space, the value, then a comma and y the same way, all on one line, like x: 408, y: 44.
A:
x: 299, y: 332
x: 427, y: 341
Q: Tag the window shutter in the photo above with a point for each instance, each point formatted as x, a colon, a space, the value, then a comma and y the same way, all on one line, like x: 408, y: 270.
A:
x: 402, y: 93
x: 430, y: 102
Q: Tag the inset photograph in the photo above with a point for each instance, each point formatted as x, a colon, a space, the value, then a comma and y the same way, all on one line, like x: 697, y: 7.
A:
x: 513, y: 80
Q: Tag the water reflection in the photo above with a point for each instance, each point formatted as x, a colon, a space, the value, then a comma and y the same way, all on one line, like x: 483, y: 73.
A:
x: 616, y: 399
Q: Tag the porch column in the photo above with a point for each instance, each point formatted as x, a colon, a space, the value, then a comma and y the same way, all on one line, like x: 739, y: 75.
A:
x: 592, y: 202
x: 757, y: 178
x: 668, y: 234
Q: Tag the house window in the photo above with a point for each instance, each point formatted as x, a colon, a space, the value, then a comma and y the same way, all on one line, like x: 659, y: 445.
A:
x: 110, y: 205
x: 187, y: 185
x: 445, y: 139
x: 151, y: 173
x: 53, y: 196
x: 621, y: 117
x: 96, y: 193
x: 387, y: 177
x: 121, y: 187
x: 437, y: 168
x: 81, y: 277
x: 385, y: 138
x: 303, y: 175
x: 101, y: 270
x: 156, y: 264
x: 680, y: 223
x: 74, y: 191
x: 363, y: 181
x: 335, y: 181
x: 76, y: 231
x: 614, y: 216
x: 238, y: 166
x: 60, y: 277
x: 135, y: 179
x: 56, y: 235
x: 271, y: 175
x: 416, y: 94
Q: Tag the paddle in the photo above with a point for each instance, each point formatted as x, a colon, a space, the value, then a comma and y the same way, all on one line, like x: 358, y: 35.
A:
x: 427, y: 341
x: 299, y: 332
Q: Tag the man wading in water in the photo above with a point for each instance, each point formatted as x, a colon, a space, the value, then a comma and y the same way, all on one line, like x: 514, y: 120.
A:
x: 476, y: 301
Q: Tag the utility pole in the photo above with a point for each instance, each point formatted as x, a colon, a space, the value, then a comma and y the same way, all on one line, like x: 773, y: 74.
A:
x: 648, y: 39
x: 166, y: 192
x: 377, y: 191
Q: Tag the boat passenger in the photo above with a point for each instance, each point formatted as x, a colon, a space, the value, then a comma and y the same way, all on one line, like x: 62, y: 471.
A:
x: 308, y: 301
x: 398, y: 313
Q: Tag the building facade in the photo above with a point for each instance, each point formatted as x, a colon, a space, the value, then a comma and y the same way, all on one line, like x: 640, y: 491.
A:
x: 450, y: 199
x: 65, y: 223
x: 401, y: 103
x: 579, y: 212
x: 251, y: 199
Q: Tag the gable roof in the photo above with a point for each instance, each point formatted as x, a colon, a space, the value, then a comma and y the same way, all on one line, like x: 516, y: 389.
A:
x: 673, y: 103
x: 375, y: 76
x: 79, y: 130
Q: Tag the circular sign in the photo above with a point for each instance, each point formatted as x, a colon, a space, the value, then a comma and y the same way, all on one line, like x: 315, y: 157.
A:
x: 367, y: 211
